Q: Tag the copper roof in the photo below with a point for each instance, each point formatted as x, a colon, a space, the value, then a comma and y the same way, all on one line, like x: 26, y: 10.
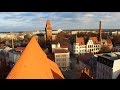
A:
x: 34, y: 64
x: 80, y: 40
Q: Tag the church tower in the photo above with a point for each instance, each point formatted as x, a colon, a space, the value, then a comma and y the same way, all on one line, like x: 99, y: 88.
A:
x: 48, y: 30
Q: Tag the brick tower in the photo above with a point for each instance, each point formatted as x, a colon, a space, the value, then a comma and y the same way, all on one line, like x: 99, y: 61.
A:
x: 48, y: 30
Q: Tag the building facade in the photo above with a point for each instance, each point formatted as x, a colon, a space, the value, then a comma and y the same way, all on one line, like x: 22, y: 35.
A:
x: 62, y: 58
x: 54, y: 46
x: 116, y: 49
x: 108, y: 66
x: 48, y: 30
x: 81, y: 47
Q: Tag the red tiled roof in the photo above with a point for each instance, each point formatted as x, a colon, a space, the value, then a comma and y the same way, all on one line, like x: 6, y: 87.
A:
x: 61, y: 50
x: 80, y: 40
x: 64, y: 46
x: 95, y: 40
x: 86, y: 57
x: 34, y: 64
x: 20, y: 48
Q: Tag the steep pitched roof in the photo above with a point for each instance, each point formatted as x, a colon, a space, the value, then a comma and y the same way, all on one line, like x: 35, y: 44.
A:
x: 85, y: 76
x: 109, y: 42
x: 80, y: 40
x: 34, y: 64
x: 95, y: 40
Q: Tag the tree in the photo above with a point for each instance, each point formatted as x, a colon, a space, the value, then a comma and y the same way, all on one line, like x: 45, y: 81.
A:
x: 105, y: 35
x: 105, y: 49
x: 116, y: 40
x: 72, y: 39
x: 42, y: 42
x: 27, y: 37
x: 62, y: 38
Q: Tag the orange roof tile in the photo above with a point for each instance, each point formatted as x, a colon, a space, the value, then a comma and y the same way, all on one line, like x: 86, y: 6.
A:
x: 34, y: 64
x: 80, y: 40
x: 95, y: 40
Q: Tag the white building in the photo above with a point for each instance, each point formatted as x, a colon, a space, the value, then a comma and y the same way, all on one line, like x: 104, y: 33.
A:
x: 36, y: 32
x: 81, y: 46
x: 54, y: 46
x: 114, y: 33
x: 108, y: 66
x: 62, y: 58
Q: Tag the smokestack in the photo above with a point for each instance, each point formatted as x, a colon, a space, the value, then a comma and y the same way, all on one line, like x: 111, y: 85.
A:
x: 100, y: 31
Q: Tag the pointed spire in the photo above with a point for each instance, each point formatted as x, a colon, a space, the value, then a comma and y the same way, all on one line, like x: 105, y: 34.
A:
x: 48, y: 24
x: 34, y: 64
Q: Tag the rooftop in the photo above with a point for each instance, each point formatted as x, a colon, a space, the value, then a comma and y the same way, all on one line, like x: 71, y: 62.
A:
x: 61, y: 50
x: 80, y: 40
x: 111, y: 56
x: 34, y: 64
x: 95, y: 40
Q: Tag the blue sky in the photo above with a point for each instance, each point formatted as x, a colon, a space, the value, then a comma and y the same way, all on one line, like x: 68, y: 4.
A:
x: 25, y: 21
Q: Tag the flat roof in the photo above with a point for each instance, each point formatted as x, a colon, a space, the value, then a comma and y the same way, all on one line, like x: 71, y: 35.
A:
x: 61, y: 51
x: 111, y: 56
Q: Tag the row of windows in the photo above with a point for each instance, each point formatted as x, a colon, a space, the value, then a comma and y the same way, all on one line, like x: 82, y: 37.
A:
x: 61, y: 64
x: 93, y: 49
x: 104, y: 75
x: 85, y: 47
x: 104, y: 67
x: 89, y: 50
x: 61, y: 60
x: 61, y: 55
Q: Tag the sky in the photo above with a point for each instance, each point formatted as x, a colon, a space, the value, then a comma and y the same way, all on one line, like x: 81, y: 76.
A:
x: 25, y: 21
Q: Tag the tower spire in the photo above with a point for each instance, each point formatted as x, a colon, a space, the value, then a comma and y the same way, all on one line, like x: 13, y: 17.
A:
x: 48, y: 30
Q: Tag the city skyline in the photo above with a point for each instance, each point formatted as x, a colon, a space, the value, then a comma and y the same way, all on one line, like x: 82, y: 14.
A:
x: 25, y: 21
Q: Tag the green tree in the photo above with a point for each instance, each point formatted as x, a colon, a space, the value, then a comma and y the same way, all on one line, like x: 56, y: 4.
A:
x: 105, y: 49
x: 116, y: 40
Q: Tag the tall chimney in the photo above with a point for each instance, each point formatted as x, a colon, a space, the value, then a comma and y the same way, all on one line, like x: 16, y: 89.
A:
x: 100, y: 32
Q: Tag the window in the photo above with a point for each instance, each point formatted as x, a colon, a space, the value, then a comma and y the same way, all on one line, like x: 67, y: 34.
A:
x: 63, y: 55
